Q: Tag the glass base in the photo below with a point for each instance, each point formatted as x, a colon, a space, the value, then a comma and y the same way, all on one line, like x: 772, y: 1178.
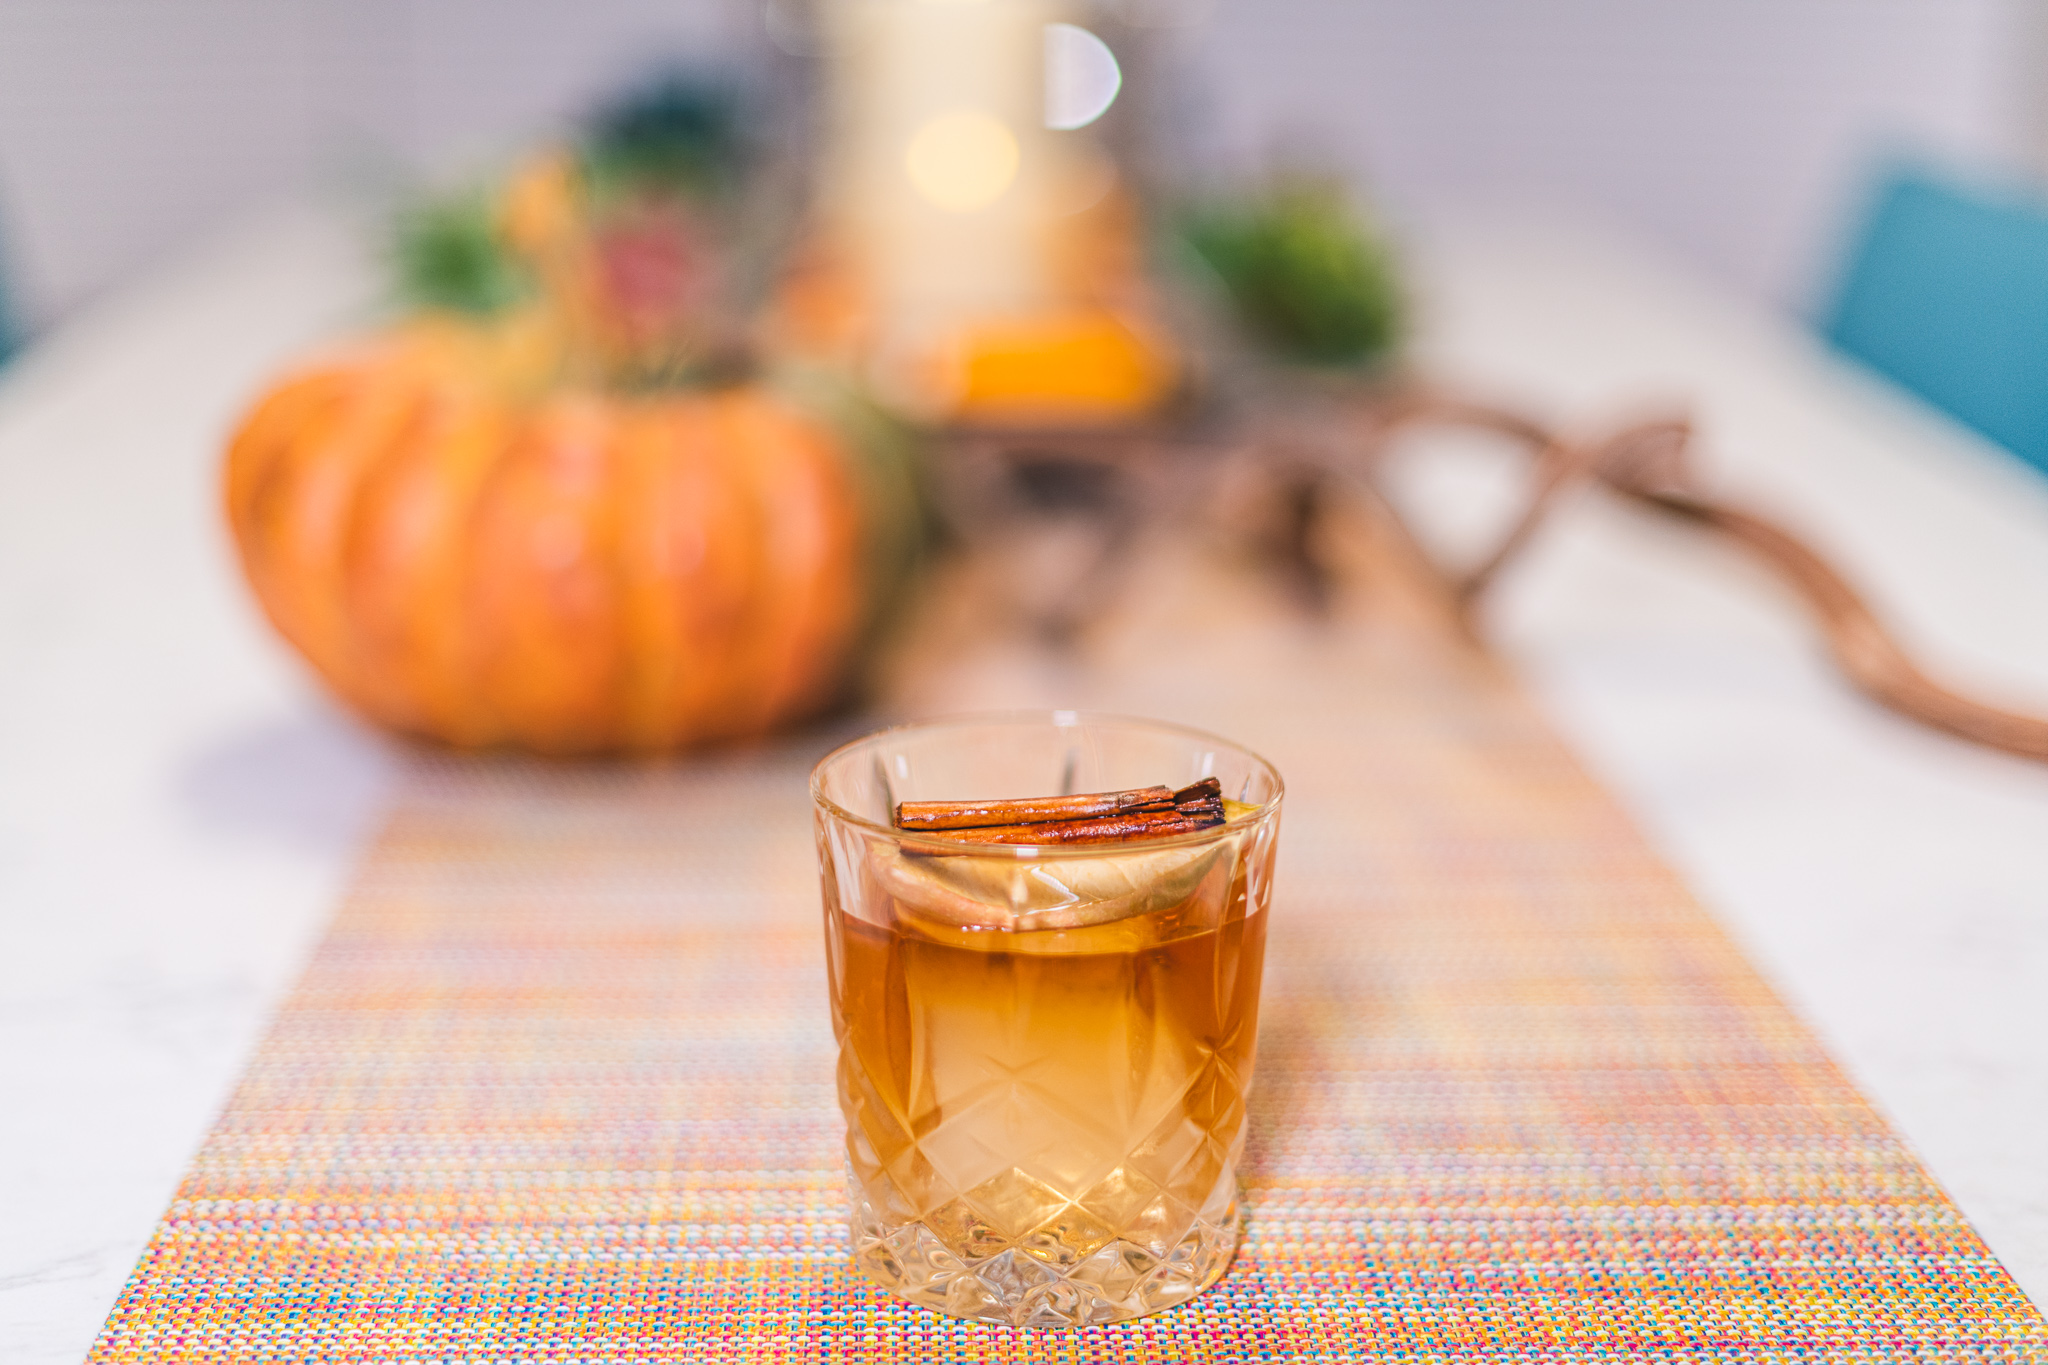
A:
x: 1015, y: 1287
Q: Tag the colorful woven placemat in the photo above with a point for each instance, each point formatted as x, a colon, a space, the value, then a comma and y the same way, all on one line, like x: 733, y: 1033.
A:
x: 558, y: 1084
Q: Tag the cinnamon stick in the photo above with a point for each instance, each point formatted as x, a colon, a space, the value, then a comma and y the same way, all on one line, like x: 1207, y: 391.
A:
x: 1108, y: 829
x: 1030, y: 809
x: 1097, y: 818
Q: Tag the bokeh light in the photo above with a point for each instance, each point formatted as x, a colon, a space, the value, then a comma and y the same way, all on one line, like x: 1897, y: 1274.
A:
x: 963, y: 160
x: 1082, y: 77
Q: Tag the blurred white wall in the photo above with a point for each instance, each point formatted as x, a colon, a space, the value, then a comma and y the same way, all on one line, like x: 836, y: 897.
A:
x: 1730, y: 131
x: 128, y: 125
x: 125, y: 125
x: 1735, y: 133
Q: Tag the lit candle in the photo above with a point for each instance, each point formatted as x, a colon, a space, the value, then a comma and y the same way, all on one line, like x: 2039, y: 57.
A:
x: 942, y: 176
x: 989, y: 242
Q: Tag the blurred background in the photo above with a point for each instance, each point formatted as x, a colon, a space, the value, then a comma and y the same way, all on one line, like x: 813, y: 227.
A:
x: 1737, y: 134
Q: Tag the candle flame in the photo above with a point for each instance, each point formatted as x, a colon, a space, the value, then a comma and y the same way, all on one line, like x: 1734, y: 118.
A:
x: 963, y: 160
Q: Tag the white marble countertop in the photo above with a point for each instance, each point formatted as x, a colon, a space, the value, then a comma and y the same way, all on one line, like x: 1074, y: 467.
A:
x: 179, y: 808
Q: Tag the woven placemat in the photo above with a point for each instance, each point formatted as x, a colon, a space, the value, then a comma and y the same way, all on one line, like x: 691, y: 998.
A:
x: 558, y: 1084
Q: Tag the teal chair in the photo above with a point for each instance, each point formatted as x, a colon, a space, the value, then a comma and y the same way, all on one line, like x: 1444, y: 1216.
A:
x: 1946, y: 293
x: 9, y: 338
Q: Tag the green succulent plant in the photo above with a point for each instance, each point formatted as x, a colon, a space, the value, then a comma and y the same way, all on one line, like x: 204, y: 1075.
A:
x: 681, y: 133
x: 446, y: 254
x: 1307, y: 276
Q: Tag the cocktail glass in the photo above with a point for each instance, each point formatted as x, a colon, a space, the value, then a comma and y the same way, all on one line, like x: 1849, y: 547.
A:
x: 1044, y: 1051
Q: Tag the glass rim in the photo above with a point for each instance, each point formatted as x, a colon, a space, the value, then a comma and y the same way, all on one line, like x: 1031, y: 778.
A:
x: 1060, y: 717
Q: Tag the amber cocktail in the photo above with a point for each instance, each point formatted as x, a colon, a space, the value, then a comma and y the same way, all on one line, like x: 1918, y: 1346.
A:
x: 1045, y: 1037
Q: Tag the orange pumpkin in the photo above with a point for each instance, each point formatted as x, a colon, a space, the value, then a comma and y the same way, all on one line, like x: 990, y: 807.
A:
x: 573, y: 572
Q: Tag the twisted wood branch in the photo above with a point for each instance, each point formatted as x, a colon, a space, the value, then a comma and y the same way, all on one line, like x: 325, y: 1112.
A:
x: 1648, y: 465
